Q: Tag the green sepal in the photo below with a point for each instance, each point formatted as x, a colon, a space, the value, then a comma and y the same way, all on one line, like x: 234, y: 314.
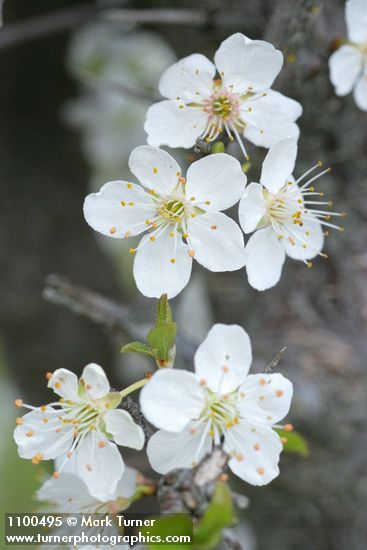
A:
x: 137, y: 347
x: 218, y: 516
x: 295, y: 442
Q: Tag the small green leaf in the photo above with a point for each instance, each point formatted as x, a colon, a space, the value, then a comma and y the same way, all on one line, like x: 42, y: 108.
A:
x: 162, y: 339
x: 218, y: 516
x: 137, y: 347
x: 175, y: 525
x: 164, y: 314
x: 294, y: 442
x: 218, y: 147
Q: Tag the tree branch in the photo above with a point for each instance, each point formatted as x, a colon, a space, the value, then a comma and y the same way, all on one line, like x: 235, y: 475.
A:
x: 104, y: 311
x: 19, y: 32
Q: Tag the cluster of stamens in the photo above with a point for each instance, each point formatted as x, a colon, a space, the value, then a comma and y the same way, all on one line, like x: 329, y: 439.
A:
x: 294, y: 205
x: 72, y: 420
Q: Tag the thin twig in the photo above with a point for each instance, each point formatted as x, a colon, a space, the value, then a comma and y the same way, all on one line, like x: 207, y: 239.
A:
x: 104, y: 311
x: 157, y: 16
x: 19, y: 32
x: 13, y: 34
x: 273, y: 363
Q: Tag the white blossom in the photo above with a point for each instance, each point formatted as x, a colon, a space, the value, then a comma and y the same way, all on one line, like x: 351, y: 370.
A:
x: 348, y: 64
x: 69, y: 494
x: 287, y: 218
x: 183, y: 217
x: 219, y: 403
x: 238, y: 102
x: 84, y: 422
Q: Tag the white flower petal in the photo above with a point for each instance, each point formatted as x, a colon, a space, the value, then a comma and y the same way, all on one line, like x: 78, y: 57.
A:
x: 252, y: 207
x: 100, y: 465
x: 246, y: 64
x: 271, y: 119
x: 224, y: 358
x: 155, y: 274
x: 345, y: 65
x: 356, y: 18
x: 122, y: 427
x: 65, y: 491
x: 117, y: 209
x: 215, y: 181
x: 37, y: 435
x: 167, y: 451
x: 303, y: 243
x: 265, y: 398
x: 171, y: 399
x: 217, y: 241
x: 174, y: 124
x: 64, y: 383
x: 95, y: 381
x: 154, y: 168
x: 360, y: 93
x: 278, y: 165
x: 188, y: 78
x: 127, y: 484
x: 264, y: 259
x: 256, y: 453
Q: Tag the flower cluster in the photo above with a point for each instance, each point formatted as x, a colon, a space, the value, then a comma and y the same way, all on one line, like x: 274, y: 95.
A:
x: 180, y: 218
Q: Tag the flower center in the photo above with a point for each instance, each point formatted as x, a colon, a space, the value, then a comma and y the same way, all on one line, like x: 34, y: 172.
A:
x: 83, y: 416
x: 220, y: 411
x: 222, y: 105
x: 173, y: 210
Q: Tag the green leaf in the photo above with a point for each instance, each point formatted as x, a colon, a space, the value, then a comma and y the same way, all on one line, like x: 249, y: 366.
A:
x: 162, y: 341
x: 164, y: 314
x: 218, y: 516
x: 137, y: 347
x: 163, y: 526
x: 294, y: 442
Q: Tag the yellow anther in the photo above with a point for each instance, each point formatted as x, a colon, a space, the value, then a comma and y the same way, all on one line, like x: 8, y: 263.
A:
x: 152, y: 238
x: 207, y: 202
x: 127, y: 234
x: 18, y: 402
x: 131, y: 203
x: 309, y: 265
x: 191, y: 253
x: 192, y: 198
x: 129, y: 185
x: 30, y: 433
x: 171, y: 234
x: 19, y: 421
x: 155, y: 170
x: 132, y: 250
x: 173, y: 260
x: 123, y: 203
x: 147, y: 222
x: 288, y: 427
